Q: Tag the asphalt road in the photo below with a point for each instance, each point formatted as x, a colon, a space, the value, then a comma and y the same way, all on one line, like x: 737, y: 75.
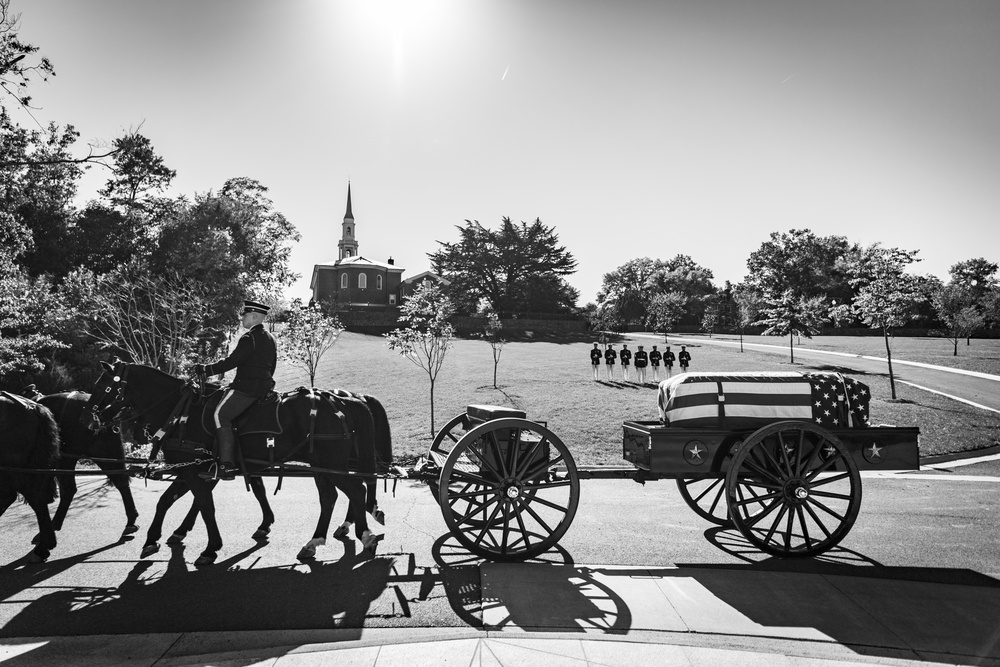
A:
x: 939, y: 526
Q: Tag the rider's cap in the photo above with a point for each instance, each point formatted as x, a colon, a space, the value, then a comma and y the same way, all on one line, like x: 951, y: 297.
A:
x: 254, y: 307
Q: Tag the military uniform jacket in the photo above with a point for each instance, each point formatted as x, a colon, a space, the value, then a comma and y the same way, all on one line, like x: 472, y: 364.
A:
x: 255, y: 358
x: 685, y: 358
x: 640, y: 359
x: 610, y: 356
x: 668, y: 358
x: 595, y: 356
x: 625, y: 356
x: 654, y: 357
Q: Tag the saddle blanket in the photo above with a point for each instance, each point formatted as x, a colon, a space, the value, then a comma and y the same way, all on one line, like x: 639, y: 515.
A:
x: 752, y: 400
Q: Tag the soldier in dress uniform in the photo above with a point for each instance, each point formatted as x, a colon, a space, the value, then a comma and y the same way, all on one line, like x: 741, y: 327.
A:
x: 668, y: 361
x: 609, y: 361
x: 255, y: 358
x: 626, y: 356
x: 684, y: 358
x: 654, y: 360
x: 641, y: 359
x: 595, y: 361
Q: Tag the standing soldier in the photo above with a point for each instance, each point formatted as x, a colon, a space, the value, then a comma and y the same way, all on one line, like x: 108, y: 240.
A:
x: 626, y: 356
x: 668, y: 361
x: 654, y: 359
x: 684, y: 358
x: 595, y: 361
x: 609, y: 361
x: 640, y: 366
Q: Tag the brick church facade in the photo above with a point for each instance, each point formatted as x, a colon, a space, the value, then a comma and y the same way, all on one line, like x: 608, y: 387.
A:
x: 353, y: 282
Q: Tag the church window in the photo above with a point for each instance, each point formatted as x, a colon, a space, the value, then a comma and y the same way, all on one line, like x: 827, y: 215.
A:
x: 378, y: 282
x: 343, y: 281
x: 348, y: 231
x: 362, y: 280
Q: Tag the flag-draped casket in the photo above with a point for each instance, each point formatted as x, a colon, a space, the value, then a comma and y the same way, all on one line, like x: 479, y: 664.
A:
x: 749, y: 400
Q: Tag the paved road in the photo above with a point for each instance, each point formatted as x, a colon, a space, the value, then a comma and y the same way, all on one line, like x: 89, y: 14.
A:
x: 933, y: 529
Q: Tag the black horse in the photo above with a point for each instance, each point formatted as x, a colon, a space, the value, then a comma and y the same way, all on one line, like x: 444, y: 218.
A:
x: 104, y: 447
x: 30, y: 442
x: 332, y: 434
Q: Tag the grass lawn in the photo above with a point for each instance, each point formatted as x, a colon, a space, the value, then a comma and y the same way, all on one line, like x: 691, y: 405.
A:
x: 551, y: 381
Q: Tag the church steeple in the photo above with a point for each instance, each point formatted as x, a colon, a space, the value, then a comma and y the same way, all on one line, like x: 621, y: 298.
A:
x: 348, y: 241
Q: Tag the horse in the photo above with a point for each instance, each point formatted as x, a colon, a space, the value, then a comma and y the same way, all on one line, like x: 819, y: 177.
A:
x: 335, y: 429
x: 103, y: 446
x: 30, y: 442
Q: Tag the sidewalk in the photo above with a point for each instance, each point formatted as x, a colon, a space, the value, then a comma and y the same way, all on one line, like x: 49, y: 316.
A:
x: 553, y: 615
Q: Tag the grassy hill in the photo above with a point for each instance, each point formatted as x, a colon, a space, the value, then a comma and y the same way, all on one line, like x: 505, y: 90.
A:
x: 551, y: 380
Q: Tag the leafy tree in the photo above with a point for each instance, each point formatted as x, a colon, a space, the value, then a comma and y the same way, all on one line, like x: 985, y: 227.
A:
x: 977, y: 277
x: 802, y: 262
x: 956, y: 308
x: 426, y: 334
x: 887, y: 296
x: 137, y: 171
x: 625, y: 294
x: 793, y: 315
x: 665, y: 310
x: 710, y: 318
x: 307, y: 335
x: 682, y: 276
x: 32, y: 325
x: 499, y: 266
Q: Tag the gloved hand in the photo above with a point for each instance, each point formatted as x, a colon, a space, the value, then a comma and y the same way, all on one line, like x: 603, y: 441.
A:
x: 199, y: 369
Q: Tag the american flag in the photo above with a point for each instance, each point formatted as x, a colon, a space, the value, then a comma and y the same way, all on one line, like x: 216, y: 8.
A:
x: 745, y: 400
x: 838, y: 400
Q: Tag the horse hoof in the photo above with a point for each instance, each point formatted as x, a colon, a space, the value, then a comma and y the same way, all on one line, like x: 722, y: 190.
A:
x: 38, y: 556
x: 205, y: 560
x: 380, y: 516
x: 341, y: 533
x: 260, y: 535
x: 306, y: 554
x: 176, y: 538
x: 370, y: 543
x: 129, y: 529
x: 149, y: 549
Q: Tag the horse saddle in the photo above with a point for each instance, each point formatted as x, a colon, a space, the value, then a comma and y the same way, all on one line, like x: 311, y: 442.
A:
x: 261, y: 417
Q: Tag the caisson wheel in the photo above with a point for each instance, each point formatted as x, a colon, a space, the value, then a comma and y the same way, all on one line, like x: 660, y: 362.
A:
x: 793, y: 489
x: 707, y: 497
x: 509, y: 489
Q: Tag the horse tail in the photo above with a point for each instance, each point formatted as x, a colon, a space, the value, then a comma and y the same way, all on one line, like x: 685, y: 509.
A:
x: 383, y: 434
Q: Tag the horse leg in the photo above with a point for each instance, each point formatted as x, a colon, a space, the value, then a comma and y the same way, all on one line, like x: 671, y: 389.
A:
x: 177, y: 488
x: 327, y: 498
x: 260, y: 493
x: 46, y: 533
x: 67, y: 489
x: 202, y: 491
x: 187, y: 525
x: 118, y: 479
x: 355, y: 490
x: 371, y: 502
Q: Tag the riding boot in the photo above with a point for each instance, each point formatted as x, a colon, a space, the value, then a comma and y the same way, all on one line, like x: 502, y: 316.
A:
x: 226, y: 442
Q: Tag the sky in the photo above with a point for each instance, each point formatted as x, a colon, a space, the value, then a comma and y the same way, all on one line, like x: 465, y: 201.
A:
x: 635, y: 128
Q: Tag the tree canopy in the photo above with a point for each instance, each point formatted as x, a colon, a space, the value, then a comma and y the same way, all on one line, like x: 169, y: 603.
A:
x: 515, y: 269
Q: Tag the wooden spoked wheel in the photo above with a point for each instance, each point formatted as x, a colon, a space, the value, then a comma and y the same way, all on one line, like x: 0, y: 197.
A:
x: 793, y: 489
x: 707, y: 497
x: 509, y: 490
x: 451, y: 433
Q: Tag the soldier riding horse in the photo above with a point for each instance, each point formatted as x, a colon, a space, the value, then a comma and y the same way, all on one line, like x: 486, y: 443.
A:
x: 335, y: 434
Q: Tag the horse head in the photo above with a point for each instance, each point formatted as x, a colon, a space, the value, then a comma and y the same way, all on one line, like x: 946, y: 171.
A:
x: 107, y: 400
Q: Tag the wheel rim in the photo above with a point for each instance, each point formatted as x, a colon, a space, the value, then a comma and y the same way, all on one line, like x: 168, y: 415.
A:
x: 449, y: 434
x: 793, y: 489
x: 509, y: 490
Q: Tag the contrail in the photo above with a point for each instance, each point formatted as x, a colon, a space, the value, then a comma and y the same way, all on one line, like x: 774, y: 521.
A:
x: 785, y: 81
x: 505, y: 73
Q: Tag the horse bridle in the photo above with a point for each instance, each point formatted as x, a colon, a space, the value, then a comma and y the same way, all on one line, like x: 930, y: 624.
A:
x: 118, y: 382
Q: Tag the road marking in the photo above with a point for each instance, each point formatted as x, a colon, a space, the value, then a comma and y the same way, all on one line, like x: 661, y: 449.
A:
x: 956, y: 398
x: 912, y: 475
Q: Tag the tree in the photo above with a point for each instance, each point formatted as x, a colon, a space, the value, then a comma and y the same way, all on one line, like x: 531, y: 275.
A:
x: 137, y: 171
x: 32, y: 325
x: 665, y: 310
x: 491, y: 332
x: 956, y: 309
x: 154, y: 319
x: 793, y: 315
x: 426, y: 335
x: 977, y: 277
x: 800, y: 261
x: 710, y: 318
x: 887, y: 296
x: 500, y: 266
x: 625, y: 294
x: 307, y: 335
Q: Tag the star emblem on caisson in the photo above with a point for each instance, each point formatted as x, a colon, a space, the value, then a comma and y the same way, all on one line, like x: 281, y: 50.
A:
x: 695, y: 452
x: 873, y: 453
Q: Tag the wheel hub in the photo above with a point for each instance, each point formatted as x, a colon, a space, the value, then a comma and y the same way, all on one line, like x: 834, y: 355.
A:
x: 511, y: 489
x: 796, y: 491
